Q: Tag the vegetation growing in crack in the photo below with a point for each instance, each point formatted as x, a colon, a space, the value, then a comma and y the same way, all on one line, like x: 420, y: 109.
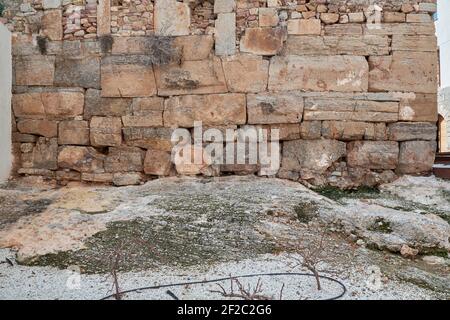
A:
x: 381, y: 225
x: 337, y: 194
x: 306, y: 211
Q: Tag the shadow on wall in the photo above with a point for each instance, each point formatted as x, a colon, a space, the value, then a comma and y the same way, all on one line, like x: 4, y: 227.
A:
x: 5, y: 102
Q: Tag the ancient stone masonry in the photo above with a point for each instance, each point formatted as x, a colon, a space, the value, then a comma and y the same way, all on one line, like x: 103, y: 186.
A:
x: 99, y: 86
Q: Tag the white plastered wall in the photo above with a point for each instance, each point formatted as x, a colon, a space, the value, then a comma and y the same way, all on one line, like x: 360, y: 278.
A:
x: 5, y: 103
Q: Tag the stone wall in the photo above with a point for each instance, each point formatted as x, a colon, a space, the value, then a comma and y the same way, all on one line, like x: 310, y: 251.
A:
x: 98, y: 92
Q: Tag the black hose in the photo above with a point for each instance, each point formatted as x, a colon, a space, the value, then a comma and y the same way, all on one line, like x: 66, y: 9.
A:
x: 343, y: 287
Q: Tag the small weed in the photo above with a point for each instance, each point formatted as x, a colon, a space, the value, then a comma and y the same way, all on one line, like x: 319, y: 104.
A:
x: 337, y: 194
x: 381, y: 226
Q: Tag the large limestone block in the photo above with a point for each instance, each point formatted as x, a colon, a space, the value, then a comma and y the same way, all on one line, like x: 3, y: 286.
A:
x: 194, y: 47
x: 274, y: 108
x: 106, y: 131
x: 158, y: 163
x: 357, y: 45
x: 171, y: 18
x: 127, y: 76
x: 376, y: 155
x: 52, y: 26
x: 224, y: 6
x: 344, y: 29
x: 83, y: 72
x: 191, y: 77
x: 225, y: 34
x: 104, y: 17
x: 321, y: 73
x: 124, y: 159
x: 73, y: 132
x: 44, y: 155
x: 81, y: 159
x: 263, y: 41
x: 414, y: 43
x: 34, y: 70
x: 350, y: 110
x: 416, y: 157
x: 412, y: 29
x: 349, y: 130
x: 419, y: 107
x: 304, y: 27
x: 48, y: 105
x: 404, y: 71
x: 145, y: 112
x: 212, y: 110
x: 46, y: 128
x: 268, y: 17
x: 96, y: 105
x: 316, y: 155
x: 404, y: 131
x: 149, y: 138
x: 246, y: 73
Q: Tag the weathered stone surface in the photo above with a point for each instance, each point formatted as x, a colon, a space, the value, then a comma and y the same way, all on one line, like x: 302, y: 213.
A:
x: 402, y: 29
x: 52, y: 26
x: 335, y: 45
x: 97, y: 177
x: 311, y: 130
x: 145, y: 112
x: 316, y: 155
x: 157, y: 163
x: 48, y: 105
x: 246, y: 73
x: 188, y: 166
x: 350, y: 110
x: 404, y: 71
x: 81, y: 72
x: 44, y: 128
x: 51, y: 4
x: 127, y: 76
x: 304, y: 26
x: 45, y: 153
x: 106, y: 131
x: 290, y: 131
x: 224, y: 6
x: 191, y: 77
x: 194, y: 47
x: 171, y: 18
x: 73, y: 132
x: 308, y: 73
x: 96, y: 105
x: 344, y: 29
x: 225, y: 34
x: 104, y: 17
x: 347, y: 130
x: 377, y: 155
x: 329, y: 18
x: 81, y: 159
x: 274, y: 108
x: 127, y: 178
x: 34, y: 70
x: 414, y: 43
x: 67, y: 175
x: 217, y: 109
x: 268, y: 17
x: 149, y: 138
x: 394, y: 17
x: 404, y: 131
x: 418, y: 18
x: 419, y: 107
x: 416, y: 157
x: 124, y: 159
x: 263, y: 41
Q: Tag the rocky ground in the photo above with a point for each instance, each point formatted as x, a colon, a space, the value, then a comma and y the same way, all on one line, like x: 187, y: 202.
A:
x: 73, y: 242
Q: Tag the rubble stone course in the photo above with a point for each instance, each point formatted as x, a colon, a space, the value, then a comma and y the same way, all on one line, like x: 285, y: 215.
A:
x: 99, y: 86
